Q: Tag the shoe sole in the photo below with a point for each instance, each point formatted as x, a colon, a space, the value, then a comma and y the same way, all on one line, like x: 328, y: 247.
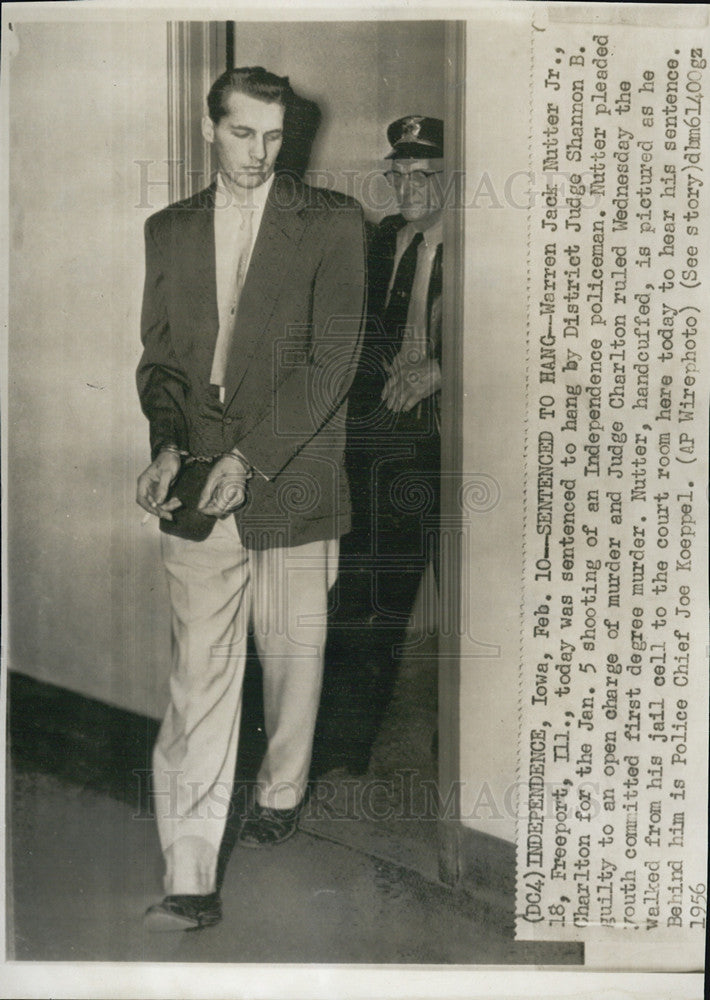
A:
x: 159, y: 921
x: 255, y: 845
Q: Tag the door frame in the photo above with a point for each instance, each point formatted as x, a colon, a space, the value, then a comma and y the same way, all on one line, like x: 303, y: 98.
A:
x: 197, y: 54
x: 452, y: 529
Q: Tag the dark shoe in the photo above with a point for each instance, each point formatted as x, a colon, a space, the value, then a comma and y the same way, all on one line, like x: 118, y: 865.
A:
x: 265, y: 827
x: 184, y: 913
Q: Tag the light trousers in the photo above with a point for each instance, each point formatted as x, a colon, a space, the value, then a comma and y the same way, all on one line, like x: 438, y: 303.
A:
x: 217, y: 587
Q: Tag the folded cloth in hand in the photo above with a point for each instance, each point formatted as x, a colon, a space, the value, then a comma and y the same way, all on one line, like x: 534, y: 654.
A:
x: 187, y: 521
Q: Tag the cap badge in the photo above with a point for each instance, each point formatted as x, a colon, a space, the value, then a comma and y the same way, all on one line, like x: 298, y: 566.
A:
x: 411, y: 127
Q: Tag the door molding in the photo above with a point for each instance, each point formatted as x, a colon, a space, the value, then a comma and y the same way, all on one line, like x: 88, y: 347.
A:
x: 452, y: 534
x: 197, y: 54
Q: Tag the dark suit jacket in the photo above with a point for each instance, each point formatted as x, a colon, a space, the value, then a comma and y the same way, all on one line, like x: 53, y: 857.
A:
x: 381, y: 253
x: 369, y: 419
x: 294, y: 354
x: 383, y: 445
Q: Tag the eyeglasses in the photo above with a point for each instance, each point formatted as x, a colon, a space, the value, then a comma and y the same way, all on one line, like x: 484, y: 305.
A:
x: 419, y: 177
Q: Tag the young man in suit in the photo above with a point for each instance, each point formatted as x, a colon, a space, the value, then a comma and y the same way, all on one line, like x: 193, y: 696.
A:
x: 251, y: 330
x: 393, y: 450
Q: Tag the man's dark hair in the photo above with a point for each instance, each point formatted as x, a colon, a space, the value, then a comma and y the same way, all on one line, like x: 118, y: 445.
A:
x: 255, y: 81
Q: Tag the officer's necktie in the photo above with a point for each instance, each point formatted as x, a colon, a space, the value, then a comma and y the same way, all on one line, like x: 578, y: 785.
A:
x: 395, y: 317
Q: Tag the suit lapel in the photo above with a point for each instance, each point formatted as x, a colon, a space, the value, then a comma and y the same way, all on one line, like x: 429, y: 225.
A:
x: 433, y: 306
x: 277, y: 242
x: 382, y: 262
x: 199, y: 281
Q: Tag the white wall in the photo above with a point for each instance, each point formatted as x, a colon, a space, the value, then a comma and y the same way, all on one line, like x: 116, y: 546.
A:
x: 86, y: 595
x: 363, y: 76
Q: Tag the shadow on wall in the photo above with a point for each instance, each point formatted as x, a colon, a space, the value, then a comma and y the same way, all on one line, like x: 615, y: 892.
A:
x: 301, y: 123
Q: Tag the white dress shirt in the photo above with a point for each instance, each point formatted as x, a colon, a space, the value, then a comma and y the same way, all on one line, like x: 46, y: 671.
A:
x: 236, y: 225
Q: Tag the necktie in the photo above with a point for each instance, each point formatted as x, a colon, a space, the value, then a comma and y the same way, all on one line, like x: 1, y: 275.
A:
x: 395, y: 317
x: 228, y: 323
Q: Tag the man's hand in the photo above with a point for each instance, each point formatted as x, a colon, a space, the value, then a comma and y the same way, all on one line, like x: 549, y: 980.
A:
x: 154, y: 483
x: 411, y: 379
x: 226, y: 487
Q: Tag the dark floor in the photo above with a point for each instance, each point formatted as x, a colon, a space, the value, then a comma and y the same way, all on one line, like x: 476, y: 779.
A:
x: 348, y: 888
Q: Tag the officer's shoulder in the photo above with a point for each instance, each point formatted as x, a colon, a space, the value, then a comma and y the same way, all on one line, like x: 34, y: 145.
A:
x: 383, y: 235
x: 391, y: 224
x: 328, y: 200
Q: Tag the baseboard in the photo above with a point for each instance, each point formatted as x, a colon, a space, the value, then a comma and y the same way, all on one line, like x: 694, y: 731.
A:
x: 108, y: 749
x: 79, y: 739
x: 487, y: 862
x: 90, y: 742
x: 96, y: 745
